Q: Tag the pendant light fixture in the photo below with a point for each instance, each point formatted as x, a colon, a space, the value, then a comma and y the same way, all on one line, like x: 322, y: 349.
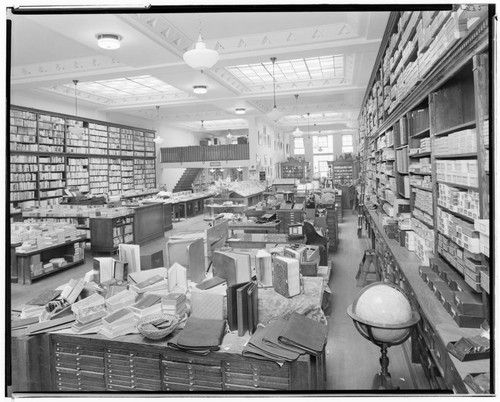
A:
x: 76, y: 130
x: 158, y: 140
x: 274, y: 114
x: 298, y: 132
x: 201, y: 58
x: 200, y: 89
x: 240, y: 110
x: 229, y: 135
x: 308, y: 136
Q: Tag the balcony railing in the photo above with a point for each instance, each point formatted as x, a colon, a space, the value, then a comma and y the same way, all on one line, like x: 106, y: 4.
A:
x: 205, y: 153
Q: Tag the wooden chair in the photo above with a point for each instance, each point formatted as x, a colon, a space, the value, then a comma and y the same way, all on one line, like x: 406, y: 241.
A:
x: 314, y: 238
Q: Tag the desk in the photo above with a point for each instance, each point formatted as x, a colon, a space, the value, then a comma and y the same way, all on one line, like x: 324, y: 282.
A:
x: 253, y: 227
x: 259, y: 240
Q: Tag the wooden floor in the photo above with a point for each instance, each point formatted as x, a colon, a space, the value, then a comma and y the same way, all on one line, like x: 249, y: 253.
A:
x: 352, y: 361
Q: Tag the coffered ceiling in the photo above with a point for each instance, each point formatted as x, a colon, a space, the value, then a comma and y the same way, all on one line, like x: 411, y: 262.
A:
x: 325, y: 57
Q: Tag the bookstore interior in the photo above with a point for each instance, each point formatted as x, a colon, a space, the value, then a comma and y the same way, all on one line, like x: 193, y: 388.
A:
x: 249, y: 200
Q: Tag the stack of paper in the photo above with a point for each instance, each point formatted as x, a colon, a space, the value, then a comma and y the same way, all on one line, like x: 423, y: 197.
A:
x: 118, y: 323
x: 174, y: 304
x: 147, y: 304
x: 123, y: 299
x: 90, y: 305
x: 90, y: 323
x: 156, y: 282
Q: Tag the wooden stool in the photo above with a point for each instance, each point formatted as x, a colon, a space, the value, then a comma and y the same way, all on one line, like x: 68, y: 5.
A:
x: 364, y: 269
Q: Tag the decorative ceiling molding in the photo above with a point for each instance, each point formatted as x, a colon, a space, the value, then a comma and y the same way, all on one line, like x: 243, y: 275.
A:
x: 138, y: 101
x: 70, y: 66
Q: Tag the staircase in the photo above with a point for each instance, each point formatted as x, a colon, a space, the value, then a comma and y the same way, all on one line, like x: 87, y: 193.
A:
x: 187, y: 178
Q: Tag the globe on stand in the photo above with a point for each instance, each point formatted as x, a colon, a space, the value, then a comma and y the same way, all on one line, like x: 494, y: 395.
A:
x: 383, y: 314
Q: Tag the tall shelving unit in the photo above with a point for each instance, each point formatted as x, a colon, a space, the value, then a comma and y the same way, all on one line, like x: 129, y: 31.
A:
x: 47, y: 156
x: 424, y: 130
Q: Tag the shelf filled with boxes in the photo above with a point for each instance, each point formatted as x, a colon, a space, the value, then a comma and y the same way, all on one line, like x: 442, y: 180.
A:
x: 98, y: 139
x: 139, y: 174
x: 23, y: 131
x: 77, y: 137
x: 139, y: 148
x: 108, y: 232
x: 149, y: 144
x: 149, y: 173
x: 51, y: 132
x: 77, y: 173
x: 52, y: 172
x: 433, y: 67
x: 83, y: 147
x: 115, y: 176
x: 98, y: 175
x: 23, y: 177
x: 127, y: 169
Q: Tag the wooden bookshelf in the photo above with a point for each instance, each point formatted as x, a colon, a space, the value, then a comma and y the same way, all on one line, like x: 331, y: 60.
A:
x: 428, y: 91
x: 48, y: 154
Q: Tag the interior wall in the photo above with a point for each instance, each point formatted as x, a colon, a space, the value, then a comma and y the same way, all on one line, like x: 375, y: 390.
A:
x: 168, y: 174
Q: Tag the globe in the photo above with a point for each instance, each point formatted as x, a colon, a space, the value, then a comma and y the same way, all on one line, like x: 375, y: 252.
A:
x: 386, y: 309
x: 316, y: 176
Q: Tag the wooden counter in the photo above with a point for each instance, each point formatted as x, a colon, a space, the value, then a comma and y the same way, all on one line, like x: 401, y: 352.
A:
x: 253, y: 227
x: 437, y: 326
x: 148, y: 223
x: 259, y: 240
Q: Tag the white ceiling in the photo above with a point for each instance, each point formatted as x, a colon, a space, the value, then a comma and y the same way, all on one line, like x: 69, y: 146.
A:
x: 48, y: 52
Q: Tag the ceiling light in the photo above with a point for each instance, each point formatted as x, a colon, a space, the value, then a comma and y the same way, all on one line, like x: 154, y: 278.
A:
x: 108, y: 41
x: 240, y: 111
x: 274, y: 114
x: 212, y: 170
x: 200, y: 89
x: 158, y: 140
x: 201, y: 58
x: 229, y: 135
x: 239, y: 169
x: 298, y: 132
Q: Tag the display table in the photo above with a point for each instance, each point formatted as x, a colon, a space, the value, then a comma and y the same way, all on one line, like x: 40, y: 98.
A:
x: 259, y: 240
x: 148, y: 223
x: 436, y: 327
x: 25, y: 260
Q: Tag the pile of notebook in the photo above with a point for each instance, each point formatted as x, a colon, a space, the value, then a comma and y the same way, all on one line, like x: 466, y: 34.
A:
x: 174, y: 304
x: 285, y: 339
x: 120, y: 322
x: 199, y: 336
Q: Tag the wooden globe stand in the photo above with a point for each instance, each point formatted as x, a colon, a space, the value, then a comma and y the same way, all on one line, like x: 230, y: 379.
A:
x: 383, y: 380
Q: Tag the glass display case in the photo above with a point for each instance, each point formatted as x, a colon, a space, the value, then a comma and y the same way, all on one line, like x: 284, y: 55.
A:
x: 215, y: 206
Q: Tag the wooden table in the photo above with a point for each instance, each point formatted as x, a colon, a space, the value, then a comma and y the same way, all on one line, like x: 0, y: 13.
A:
x: 253, y: 227
x: 259, y: 240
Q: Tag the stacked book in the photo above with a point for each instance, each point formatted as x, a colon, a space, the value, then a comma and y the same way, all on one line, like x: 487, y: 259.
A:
x: 120, y: 322
x: 88, y: 323
x: 147, y: 304
x: 122, y: 299
x: 174, y: 304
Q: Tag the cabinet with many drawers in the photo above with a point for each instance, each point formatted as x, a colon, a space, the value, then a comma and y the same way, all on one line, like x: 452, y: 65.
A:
x: 83, y: 363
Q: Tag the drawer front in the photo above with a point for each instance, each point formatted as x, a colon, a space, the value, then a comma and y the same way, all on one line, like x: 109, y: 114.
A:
x: 453, y: 379
x: 132, y: 371
x: 121, y: 353
x: 248, y: 367
x: 256, y: 381
x: 184, y: 376
x: 84, y: 362
x: 232, y: 387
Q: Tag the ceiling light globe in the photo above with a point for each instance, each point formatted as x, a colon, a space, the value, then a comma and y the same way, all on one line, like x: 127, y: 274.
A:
x: 200, y: 89
x: 201, y: 58
x: 240, y: 111
x: 298, y: 132
x: 108, y: 41
x: 158, y: 140
x: 274, y: 114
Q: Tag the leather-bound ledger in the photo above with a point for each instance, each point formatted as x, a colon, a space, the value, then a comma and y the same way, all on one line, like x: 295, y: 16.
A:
x: 201, y: 334
x: 275, y: 352
x: 242, y: 307
x: 253, y: 308
x: 304, y: 333
x: 286, y: 276
x: 234, y: 267
x: 274, y: 331
x: 232, y: 311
